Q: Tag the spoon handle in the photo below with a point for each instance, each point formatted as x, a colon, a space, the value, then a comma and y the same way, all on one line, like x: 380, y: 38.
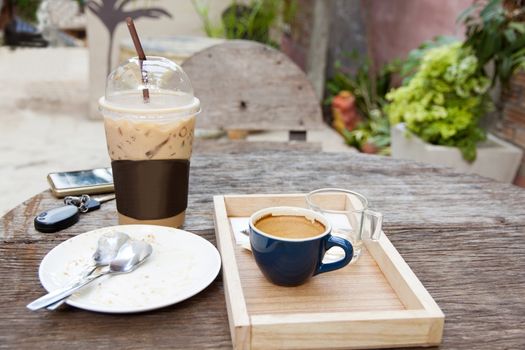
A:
x: 62, y: 293
x: 88, y: 271
x: 56, y: 305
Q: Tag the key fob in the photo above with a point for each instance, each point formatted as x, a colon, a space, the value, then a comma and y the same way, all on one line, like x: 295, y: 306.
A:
x: 56, y: 219
x: 92, y: 204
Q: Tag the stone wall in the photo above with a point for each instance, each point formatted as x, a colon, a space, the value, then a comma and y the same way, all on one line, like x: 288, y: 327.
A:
x: 511, y: 122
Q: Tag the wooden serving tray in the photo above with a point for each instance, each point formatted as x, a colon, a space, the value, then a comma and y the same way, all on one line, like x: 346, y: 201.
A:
x: 376, y: 302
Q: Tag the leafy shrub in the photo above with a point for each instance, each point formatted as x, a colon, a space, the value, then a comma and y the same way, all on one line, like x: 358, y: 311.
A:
x: 496, y: 33
x: 410, y: 65
x: 444, y: 100
x: 27, y: 9
x: 369, y: 88
x: 253, y: 20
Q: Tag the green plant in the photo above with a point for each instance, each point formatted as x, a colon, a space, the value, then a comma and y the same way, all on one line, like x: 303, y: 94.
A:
x: 410, y: 65
x: 27, y: 9
x: 374, y: 131
x: 369, y: 89
x: 496, y: 33
x: 445, y: 99
x: 203, y: 10
x: 252, y: 21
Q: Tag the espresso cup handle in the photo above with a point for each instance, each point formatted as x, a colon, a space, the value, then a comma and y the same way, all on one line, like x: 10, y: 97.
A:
x: 334, y: 241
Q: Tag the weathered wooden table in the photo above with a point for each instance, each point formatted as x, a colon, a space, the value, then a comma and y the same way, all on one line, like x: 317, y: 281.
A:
x: 463, y: 236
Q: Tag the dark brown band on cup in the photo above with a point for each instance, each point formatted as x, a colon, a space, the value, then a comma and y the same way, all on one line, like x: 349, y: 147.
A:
x: 151, y: 189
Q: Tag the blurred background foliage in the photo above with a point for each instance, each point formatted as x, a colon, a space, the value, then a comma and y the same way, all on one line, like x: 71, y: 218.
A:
x: 26, y: 9
x: 495, y: 30
x: 255, y: 20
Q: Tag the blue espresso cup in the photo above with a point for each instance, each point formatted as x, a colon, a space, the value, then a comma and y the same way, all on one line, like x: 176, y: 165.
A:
x: 292, y: 261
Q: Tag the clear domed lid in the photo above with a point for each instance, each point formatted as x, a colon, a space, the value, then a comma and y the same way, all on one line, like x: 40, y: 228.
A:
x: 167, y: 84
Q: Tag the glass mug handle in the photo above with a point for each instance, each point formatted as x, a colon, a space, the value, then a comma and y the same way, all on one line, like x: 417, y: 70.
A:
x: 374, y: 224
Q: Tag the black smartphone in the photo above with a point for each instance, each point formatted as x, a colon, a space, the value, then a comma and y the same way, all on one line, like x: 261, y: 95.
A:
x: 91, y: 181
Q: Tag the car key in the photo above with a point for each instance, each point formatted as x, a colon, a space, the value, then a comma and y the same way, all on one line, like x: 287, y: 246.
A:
x: 85, y: 204
x: 57, y: 219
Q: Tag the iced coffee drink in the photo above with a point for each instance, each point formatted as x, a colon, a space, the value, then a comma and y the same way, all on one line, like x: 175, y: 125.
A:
x: 150, y: 143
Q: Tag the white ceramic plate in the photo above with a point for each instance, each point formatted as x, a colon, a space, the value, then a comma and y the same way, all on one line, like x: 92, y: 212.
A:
x: 182, y: 264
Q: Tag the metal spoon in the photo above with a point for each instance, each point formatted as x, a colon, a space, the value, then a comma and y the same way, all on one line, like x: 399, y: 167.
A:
x: 130, y: 255
x: 107, y: 249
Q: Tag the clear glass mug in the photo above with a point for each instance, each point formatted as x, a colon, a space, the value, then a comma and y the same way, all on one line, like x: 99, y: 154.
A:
x: 349, y: 216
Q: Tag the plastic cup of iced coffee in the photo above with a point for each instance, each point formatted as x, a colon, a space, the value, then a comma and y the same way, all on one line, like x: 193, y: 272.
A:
x: 150, y: 140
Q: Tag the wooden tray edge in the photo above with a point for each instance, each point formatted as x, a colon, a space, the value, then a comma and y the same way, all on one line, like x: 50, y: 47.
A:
x: 401, y: 277
x: 239, y: 321
x: 352, y: 330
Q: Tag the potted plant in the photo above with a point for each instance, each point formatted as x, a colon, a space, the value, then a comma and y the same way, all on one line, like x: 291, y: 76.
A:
x: 254, y: 20
x: 440, y: 107
x: 357, y: 101
x: 495, y: 29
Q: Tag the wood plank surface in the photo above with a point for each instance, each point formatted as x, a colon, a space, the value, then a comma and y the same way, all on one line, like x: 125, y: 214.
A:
x: 242, y: 146
x: 174, y: 327
x: 244, y: 85
x: 462, y: 235
x: 361, y: 287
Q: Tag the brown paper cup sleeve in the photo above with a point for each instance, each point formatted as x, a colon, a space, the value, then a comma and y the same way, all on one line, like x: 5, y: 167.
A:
x: 151, y: 189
